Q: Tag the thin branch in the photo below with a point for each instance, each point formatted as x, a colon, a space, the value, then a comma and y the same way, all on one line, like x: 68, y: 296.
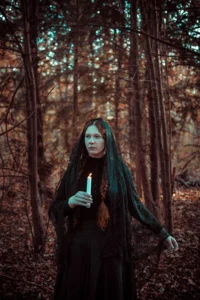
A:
x: 13, y: 176
x: 17, y: 124
x: 10, y: 183
x: 9, y: 49
x: 8, y: 169
x: 193, y: 145
x: 8, y: 142
x: 11, y: 30
x: 189, y: 155
x: 177, y: 9
x: 12, y: 100
x: 26, y: 281
x: 9, y: 75
x: 170, y: 44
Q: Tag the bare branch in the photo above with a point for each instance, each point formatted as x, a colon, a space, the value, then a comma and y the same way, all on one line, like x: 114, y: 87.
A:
x: 26, y: 281
x: 11, y: 30
x: 17, y: 125
x: 170, y: 44
x: 8, y: 77
x: 12, y: 100
x: 16, y: 171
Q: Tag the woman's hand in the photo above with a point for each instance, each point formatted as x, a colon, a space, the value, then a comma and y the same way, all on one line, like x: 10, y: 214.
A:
x: 80, y: 198
x: 171, y: 243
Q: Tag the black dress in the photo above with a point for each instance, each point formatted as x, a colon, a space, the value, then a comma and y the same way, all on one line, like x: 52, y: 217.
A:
x: 85, y: 273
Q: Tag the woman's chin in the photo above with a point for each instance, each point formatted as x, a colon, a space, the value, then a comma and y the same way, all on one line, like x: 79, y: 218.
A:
x: 93, y: 154
x: 96, y: 154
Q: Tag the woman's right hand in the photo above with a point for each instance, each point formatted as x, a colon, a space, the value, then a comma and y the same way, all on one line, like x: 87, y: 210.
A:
x: 80, y: 198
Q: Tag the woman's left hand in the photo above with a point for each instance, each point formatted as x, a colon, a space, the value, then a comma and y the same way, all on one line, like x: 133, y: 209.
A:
x: 171, y: 243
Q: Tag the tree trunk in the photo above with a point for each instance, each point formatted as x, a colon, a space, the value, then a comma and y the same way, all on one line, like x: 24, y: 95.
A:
x: 159, y: 112
x: 167, y: 97
x: 154, y: 157
x: 153, y: 121
x: 92, y: 59
x: 75, y: 87
x: 136, y: 102
x: 166, y: 157
x: 33, y: 6
x: 117, y: 88
x: 32, y: 129
x: 132, y: 121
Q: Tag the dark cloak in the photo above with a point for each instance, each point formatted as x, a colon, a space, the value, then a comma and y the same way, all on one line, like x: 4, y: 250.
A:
x: 133, y: 234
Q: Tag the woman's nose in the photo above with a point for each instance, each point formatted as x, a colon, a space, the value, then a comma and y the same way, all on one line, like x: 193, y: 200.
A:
x: 91, y: 140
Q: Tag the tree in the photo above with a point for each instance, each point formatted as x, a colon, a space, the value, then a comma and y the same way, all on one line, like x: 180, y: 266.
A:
x: 31, y: 95
x: 136, y: 110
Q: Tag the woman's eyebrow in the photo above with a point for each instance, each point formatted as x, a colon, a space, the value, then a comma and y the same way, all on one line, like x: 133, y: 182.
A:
x: 94, y: 134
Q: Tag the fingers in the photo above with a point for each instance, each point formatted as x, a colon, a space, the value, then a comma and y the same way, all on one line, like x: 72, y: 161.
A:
x: 175, y: 244
x: 83, y: 199
x: 171, y: 244
x: 83, y: 202
x: 84, y: 195
x: 88, y: 205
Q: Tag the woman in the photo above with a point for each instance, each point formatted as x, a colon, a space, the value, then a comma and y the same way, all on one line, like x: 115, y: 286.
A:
x: 95, y: 236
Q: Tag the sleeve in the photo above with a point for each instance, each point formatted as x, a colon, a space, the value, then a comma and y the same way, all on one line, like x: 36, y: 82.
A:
x: 60, y: 204
x: 138, y: 210
x: 144, y: 216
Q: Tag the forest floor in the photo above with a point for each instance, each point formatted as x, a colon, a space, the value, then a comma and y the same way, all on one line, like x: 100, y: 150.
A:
x: 24, y: 275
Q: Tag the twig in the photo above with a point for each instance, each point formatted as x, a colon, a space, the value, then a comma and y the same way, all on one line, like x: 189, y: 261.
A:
x: 17, y: 171
x: 8, y: 77
x: 189, y: 155
x: 26, y: 281
x: 13, y: 176
x: 12, y: 100
x: 12, y: 32
x: 17, y: 124
x: 193, y: 145
x: 125, y: 28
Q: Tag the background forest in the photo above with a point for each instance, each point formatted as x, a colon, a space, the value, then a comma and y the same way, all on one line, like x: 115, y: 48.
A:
x: 134, y: 63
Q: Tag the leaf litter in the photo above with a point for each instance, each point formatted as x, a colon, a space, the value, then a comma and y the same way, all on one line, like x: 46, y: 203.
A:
x: 25, y: 275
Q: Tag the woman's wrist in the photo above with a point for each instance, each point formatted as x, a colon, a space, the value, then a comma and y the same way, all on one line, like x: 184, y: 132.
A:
x: 164, y: 234
x: 70, y: 204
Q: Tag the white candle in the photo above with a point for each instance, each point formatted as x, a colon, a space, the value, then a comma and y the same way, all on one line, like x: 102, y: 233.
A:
x: 89, y: 184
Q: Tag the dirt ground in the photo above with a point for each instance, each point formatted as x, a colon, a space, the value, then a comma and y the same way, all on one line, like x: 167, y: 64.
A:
x: 23, y: 275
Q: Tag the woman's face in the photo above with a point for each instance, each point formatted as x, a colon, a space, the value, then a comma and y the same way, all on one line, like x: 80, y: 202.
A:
x: 94, y: 142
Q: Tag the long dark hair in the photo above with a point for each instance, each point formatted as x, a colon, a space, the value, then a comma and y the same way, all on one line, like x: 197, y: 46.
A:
x: 103, y: 215
x: 113, y: 168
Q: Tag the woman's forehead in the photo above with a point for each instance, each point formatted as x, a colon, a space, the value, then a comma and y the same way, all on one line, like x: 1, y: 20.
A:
x: 92, y: 130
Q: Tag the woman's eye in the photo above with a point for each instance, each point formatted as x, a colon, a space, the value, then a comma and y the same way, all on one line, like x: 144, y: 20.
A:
x: 96, y: 137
